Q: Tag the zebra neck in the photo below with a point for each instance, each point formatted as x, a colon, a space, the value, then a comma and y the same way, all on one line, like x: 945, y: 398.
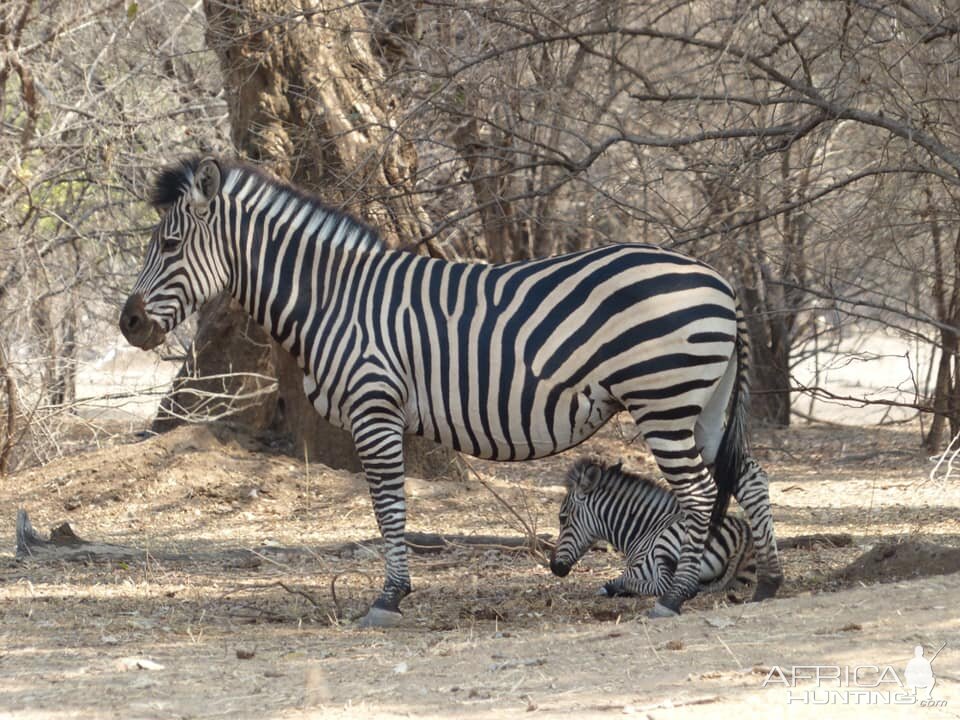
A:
x: 289, y: 254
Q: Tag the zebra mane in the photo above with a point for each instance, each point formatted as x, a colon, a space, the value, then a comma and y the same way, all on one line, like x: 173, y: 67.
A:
x: 173, y: 181
x: 604, y: 475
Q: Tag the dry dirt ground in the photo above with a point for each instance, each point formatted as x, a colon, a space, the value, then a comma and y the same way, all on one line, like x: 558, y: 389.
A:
x: 243, y: 604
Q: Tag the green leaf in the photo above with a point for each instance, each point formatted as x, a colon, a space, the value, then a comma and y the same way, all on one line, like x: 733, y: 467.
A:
x: 132, y: 10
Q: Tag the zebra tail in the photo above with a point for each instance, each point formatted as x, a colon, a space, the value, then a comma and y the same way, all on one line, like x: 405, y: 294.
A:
x: 741, y: 567
x: 733, y: 451
x: 730, y: 574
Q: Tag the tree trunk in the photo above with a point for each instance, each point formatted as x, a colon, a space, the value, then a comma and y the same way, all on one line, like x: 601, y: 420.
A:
x: 770, y: 386
x: 763, y: 303
x: 227, y: 374
x: 488, y: 170
x: 946, y: 394
x: 307, y: 101
x: 9, y: 421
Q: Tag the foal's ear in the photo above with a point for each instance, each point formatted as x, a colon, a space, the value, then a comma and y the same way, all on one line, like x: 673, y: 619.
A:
x: 206, y: 184
x: 590, y: 478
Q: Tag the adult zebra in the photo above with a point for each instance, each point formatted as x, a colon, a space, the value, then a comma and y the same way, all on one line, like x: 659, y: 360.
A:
x: 504, y: 362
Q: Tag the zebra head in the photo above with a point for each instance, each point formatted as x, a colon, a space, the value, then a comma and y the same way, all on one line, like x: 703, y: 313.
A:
x: 185, y: 264
x: 578, y: 519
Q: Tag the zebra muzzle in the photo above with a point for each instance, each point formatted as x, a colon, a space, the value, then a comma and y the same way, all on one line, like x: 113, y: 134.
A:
x: 139, y: 330
x: 558, y: 567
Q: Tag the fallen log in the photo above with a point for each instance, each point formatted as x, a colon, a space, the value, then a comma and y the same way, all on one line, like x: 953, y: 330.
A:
x: 433, y: 543
x: 65, y: 544
x: 808, y: 542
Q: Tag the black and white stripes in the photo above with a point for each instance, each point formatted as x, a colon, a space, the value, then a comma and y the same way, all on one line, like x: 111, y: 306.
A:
x: 503, y: 362
x: 642, y: 519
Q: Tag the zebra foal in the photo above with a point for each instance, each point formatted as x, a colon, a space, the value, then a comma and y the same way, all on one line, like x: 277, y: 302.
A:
x: 504, y: 362
x: 642, y: 519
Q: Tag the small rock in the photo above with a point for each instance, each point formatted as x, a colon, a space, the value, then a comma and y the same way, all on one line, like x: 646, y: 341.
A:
x: 720, y: 622
x: 400, y: 668
x: 143, y: 683
x: 245, y: 654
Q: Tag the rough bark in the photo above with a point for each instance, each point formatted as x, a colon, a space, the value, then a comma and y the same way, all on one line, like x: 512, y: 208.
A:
x: 488, y: 169
x: 307, y: 101
x: 226, y: 375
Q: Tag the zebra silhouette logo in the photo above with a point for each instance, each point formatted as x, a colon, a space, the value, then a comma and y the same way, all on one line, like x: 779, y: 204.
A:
x: 919, y: 675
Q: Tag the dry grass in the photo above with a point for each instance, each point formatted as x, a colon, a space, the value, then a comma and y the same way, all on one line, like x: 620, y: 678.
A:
x: 193, y: 491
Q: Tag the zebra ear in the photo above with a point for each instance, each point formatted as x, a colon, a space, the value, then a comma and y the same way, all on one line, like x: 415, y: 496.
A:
x: 590, y: 478
x: 206, y: 184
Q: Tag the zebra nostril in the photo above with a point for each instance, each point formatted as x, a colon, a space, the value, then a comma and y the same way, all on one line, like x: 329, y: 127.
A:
x: 132, y: 321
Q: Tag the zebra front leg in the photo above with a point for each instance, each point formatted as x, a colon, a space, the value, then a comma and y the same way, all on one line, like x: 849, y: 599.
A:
x: 652, y: 561
x: 380, y: 447
x: 753, y: 495
x: 635, y: 580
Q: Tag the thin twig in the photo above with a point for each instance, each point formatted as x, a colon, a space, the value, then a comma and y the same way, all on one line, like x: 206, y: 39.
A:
x: 643, y: 624
x: 301, y: 593
x: 531, y: 533
x: 727, y: 648
x: 333, y: 587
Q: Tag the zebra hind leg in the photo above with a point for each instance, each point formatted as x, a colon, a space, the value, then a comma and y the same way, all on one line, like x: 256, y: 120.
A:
x: 380, y: 447
x: 753, y: 495
x: 737, y: 547
x: 691, y: 483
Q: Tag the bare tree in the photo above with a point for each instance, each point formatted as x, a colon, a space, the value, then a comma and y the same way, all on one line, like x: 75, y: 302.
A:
x: 307, y: 100
x: 808, y: 149
x: 91, y: 95
x: 767, y: 138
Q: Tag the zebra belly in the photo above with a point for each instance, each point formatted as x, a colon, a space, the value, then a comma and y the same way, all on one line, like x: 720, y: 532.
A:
x: 711, y: 571
x: 321, y: 404
x: 578, y: 415
x: 587, y: 410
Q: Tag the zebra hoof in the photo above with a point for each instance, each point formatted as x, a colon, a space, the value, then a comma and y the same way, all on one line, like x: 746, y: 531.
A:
x: 612, y: 589
x: 767, y: 588
x: 377, y: 617
x: 661, y: 611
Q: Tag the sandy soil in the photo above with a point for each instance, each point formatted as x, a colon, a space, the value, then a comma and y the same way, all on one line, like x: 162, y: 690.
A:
x: 489, y: 633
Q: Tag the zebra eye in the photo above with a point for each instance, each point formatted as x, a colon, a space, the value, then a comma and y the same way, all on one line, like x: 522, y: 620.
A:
x: 170, y: 243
